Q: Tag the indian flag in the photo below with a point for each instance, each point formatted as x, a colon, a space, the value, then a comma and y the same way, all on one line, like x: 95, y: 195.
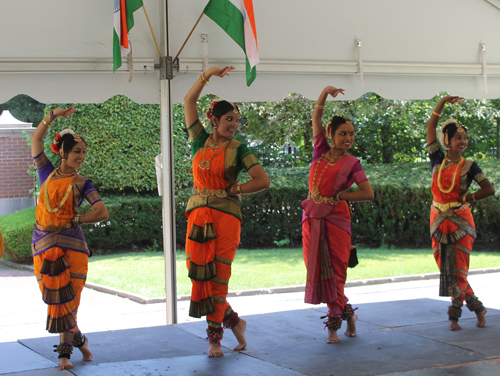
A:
x: 237, y: 19
x: 123, y: 22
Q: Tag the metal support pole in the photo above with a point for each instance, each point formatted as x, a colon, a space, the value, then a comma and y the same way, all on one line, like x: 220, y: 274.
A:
x: 168, y: 197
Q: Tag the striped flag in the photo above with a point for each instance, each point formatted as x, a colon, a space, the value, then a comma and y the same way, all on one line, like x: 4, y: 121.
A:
x: 123, y: 22
x: 237, y: 19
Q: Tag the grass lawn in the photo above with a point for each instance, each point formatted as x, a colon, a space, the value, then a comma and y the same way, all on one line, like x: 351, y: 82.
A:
x: 143, y: 273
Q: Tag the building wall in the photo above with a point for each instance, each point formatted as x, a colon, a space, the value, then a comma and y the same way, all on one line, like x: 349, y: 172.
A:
x: 15, y: 182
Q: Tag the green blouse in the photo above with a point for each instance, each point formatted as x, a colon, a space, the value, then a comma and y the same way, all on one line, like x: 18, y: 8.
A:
x: 237, y: 157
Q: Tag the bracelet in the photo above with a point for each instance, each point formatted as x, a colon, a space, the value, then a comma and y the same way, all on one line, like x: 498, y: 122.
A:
x: 320, y: 107
x: 203, y: 80
x: 45, y: 123
x: 436, y: 113
x: 54, y: 117
x: 338, y: 196
x: 238, y: 189
x: 474, y: 197
x: 464, y: 199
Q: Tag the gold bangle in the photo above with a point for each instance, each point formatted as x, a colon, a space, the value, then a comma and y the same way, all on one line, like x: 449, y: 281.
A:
x: 320, y: 107
x: 203, y: 80
x: 45, y: 123
x: 464, y: 199
x: 238, y: 189
x: 338, y: 196
x: 436, y: 113
x: 473, y: 197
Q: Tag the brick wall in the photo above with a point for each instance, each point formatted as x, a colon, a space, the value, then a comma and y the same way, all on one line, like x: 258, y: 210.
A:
x: 15, y: 159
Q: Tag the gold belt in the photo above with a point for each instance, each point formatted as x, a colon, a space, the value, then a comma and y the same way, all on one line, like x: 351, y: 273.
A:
x: 205, y: 192
x: 318, y: 199
x: 444, y: 207
x: 52, y: 228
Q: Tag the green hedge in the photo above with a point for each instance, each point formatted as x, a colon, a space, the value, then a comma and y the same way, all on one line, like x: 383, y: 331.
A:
x: 17, y: 230
x: 397, y: 216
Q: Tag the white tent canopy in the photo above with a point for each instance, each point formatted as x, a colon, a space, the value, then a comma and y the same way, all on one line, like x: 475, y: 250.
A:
x: 409, y: 49
x: 60, y: 51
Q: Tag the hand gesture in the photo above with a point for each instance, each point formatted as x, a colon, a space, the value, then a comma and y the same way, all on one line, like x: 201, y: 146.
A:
x: 233, y: 190
x: 452, y: 99
x: 219, y: 72
x: 333, y: 91
x: 64, y: 112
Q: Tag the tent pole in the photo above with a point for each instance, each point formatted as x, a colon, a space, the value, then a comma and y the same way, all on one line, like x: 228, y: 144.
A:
x: 168, y: 198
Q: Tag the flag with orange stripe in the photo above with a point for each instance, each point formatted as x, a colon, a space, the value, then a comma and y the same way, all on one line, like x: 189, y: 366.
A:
x: 123, y: 22
x: 236, y: 17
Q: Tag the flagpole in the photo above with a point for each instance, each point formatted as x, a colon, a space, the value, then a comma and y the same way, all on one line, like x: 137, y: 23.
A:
x: 151, y: 28
x: 189, y: 36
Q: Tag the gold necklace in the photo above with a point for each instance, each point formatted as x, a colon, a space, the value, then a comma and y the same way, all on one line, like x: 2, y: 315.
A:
x: 331, y: 162
x: 215, y: 146
x: 46, y: 193
x: 205, y: 163
x: 60, y: 174
x: 460, y: 162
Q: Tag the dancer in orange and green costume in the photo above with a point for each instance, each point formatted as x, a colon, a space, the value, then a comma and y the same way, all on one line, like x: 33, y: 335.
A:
x: 326, y: 220
x: 60, y: 253
x: 452, y: 225
x: 213, y: 212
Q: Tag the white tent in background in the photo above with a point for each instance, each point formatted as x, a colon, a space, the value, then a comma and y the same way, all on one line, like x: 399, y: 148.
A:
x: 398, y: 49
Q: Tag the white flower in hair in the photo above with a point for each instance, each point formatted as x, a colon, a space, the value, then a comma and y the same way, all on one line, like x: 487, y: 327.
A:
x: 67, y: 131
x: 441, y: 134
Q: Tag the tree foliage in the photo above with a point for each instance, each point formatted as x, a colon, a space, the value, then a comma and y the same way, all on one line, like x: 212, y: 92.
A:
x: 24, y: 108
x: 123, y: 138
x: 387, y: 131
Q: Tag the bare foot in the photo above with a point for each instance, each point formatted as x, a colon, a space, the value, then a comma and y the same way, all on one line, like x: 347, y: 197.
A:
x: 333, y: 337
x: 87, y: 354
x: 64, y: 363
x: 454, y: 325
x: 239, y: 333
x: 351, y: 326
x: 214, y: 349
x: 481, y: 320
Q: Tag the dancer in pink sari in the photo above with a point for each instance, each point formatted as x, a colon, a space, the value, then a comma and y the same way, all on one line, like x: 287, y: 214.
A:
x: 326, y: 221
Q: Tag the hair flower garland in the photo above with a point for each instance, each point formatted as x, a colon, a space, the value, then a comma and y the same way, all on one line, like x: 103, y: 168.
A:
x: 210, y: 109
x: 55, y: 147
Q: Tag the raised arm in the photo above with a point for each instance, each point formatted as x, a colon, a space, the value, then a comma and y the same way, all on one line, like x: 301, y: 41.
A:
x: 41, y: 130
x: 320, y: 106
x: 190, y: 109
x: 436, y: 114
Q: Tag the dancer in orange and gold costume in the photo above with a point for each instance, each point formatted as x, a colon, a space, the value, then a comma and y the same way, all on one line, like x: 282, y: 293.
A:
x: 452, y: 226
x: 60, y: 253
x: 214, y: 217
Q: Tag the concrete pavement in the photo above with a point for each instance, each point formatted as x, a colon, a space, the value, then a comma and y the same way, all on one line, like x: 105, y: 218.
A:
x: 402, y: 330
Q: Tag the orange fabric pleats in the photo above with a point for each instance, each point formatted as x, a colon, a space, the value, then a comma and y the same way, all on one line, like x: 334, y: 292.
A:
x: 461, y: 249
x: 211, y: 243
x: 61, y: 277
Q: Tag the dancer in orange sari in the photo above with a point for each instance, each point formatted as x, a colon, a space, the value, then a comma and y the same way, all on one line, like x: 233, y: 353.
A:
x: 60, y: 254
x: 452, y: 226
x: 214, y: 217
x: 326, y: 221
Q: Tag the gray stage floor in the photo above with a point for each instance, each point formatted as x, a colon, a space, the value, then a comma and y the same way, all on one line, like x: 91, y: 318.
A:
x: 406, y: 337
x: 401, y: 332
